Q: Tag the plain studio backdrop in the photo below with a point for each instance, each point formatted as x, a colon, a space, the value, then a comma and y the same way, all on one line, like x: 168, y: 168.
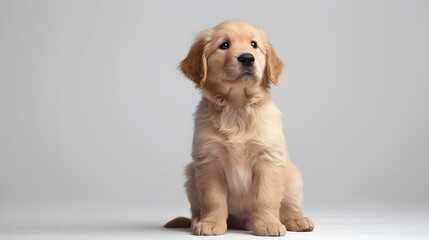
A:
x: 96, y: 121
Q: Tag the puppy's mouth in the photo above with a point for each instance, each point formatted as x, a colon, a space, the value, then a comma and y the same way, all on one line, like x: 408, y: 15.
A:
x: 240, y: 74
x: 246, y: 74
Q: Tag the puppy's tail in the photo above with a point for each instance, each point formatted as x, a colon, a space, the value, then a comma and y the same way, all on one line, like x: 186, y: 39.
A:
x: 179, y: 222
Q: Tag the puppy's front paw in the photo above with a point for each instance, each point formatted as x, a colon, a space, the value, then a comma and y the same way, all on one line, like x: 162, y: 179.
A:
x: 301, y: 224
x: 207, y: 228
x: 269, y: 229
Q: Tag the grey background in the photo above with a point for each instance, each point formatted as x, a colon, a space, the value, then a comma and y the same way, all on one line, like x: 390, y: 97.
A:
x: 94, y: 113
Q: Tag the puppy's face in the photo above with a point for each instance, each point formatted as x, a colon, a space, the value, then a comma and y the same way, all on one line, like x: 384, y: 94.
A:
x: 236, y: 55
x: 232, y: 54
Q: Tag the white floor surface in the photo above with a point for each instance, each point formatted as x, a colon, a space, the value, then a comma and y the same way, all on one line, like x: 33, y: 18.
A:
x: 106, y: 224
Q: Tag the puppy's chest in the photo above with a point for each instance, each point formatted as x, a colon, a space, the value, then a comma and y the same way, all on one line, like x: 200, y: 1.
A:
x: 237, y: 167
x: 236, y: 124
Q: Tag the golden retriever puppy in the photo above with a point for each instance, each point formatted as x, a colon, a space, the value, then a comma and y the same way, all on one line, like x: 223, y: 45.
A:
x: 241, y: 176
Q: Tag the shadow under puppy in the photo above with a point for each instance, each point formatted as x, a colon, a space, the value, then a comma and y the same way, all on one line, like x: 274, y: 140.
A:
x: 241, y: 176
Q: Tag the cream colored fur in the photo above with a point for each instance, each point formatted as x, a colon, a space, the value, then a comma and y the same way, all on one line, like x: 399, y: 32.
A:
x: 241, y: 175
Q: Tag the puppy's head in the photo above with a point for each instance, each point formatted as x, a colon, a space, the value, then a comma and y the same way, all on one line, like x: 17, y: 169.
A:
x: 232, y: 54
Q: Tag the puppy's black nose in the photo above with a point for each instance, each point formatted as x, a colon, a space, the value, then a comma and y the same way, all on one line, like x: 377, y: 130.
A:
x: 246, y: 59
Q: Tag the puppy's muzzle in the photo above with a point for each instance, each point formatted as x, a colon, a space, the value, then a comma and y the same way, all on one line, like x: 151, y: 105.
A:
x: 246, y: 59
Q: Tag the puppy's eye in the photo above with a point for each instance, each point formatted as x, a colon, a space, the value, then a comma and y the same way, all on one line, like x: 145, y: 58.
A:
x: 224, y: 45
x: 254, y: 44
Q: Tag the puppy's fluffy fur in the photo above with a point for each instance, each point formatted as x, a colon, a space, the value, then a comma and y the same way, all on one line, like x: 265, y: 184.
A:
x: 241, y: 176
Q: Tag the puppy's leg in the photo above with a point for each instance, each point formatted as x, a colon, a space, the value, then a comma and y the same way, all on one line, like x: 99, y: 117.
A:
x: 212, y: 190
x: 291, y: 212
x: 193, y: 195
x: 267, y: 194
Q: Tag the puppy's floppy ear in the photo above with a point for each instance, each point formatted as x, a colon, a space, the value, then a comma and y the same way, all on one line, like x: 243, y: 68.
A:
x: 273, y: 66
x: 194, y: 66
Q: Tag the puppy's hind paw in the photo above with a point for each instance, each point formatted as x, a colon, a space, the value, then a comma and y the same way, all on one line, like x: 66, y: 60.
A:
x: 300, y: 224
